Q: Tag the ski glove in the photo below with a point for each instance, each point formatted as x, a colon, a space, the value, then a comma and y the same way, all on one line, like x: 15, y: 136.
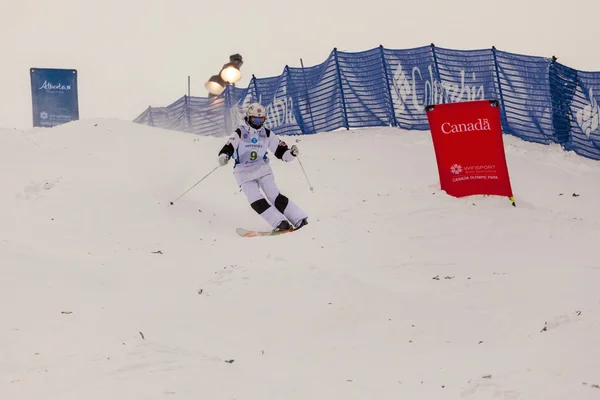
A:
x: 294, y: 150
x: 223, y: 159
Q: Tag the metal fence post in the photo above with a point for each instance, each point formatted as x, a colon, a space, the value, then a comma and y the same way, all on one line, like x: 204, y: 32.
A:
x: 339, y: 74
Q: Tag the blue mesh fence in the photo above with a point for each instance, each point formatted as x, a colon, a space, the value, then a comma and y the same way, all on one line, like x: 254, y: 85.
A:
x: 584, y: 137
x: 365, y: 89
x: 412, y: 75
x: 321, y: 106
x: 541, y: 100
x: 526, y: 97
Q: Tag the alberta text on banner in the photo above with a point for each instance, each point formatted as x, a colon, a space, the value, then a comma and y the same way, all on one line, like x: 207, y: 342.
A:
x: 469, y: 149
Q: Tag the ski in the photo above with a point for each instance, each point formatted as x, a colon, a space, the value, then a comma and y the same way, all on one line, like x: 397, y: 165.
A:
x: 248, y: 233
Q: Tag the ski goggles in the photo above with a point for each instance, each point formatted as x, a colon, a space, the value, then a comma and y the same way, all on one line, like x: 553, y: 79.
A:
x: 257, y: 120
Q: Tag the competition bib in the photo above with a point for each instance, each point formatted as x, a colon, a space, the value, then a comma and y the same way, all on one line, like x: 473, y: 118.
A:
x: 252, y: 149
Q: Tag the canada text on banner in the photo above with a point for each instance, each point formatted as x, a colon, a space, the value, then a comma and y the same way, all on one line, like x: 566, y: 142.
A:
x: 469, y: 148
x: 54, y: 96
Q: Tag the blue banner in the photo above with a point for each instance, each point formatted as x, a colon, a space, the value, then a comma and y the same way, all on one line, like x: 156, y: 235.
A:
x: 54, y: 96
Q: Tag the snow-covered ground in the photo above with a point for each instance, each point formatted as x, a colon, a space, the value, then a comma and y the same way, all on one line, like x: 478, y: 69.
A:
x: 393, y: 291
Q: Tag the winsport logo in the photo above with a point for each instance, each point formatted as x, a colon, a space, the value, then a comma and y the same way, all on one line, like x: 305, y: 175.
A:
x: 456, y: 169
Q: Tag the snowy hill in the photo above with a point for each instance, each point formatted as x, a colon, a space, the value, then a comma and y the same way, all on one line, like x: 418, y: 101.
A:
x: 393, y: 291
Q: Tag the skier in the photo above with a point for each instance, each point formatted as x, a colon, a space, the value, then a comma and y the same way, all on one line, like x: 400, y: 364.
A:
x: 250, y: 143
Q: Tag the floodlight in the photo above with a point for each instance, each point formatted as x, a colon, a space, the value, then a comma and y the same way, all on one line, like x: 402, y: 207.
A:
x: 230, y: 72
x: 215, y: 85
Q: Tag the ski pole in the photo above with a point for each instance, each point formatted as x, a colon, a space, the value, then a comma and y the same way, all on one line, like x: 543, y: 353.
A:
x: 301, y: 166
x: 184, y: 193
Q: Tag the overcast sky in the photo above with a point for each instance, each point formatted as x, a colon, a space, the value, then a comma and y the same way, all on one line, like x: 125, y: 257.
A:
x: 135, y: 53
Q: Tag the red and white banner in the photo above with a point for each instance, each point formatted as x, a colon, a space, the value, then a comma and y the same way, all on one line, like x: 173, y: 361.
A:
x: 467, y: 138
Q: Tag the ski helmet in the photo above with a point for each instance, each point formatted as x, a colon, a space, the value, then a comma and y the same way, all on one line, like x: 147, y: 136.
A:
x: 256, y: 115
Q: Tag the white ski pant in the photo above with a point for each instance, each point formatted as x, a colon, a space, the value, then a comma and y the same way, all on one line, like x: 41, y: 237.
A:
x: 276, y: 207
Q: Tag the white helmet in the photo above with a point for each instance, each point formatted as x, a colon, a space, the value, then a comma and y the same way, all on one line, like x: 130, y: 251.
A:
x: 256, y: 115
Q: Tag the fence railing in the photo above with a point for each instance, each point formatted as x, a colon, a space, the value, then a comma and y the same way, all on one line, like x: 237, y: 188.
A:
x: 541, y: 100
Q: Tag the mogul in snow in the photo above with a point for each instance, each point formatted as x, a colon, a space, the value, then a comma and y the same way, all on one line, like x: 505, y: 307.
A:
x: 250, y: 144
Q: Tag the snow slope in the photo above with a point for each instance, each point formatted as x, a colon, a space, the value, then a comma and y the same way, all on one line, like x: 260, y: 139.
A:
x: 393, y: 291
